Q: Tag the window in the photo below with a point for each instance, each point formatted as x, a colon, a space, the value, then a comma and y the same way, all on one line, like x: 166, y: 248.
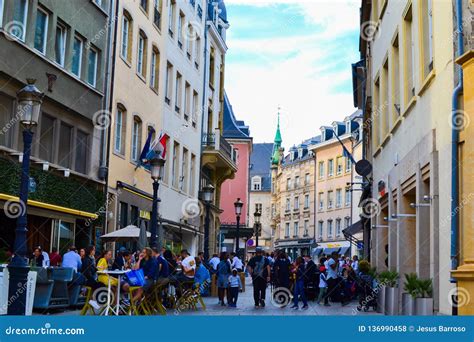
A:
x: 64, y: 146
x: 329, y: 228
x: 77, y: 57
x: 296, y: 203
x: 288, y: 184
x: 395, y: 73
x: 348, y: 165
x: 120, y: 127
x: 63, y: 235
x: 169, y: 82
x: 306, y: 201
x: 195, y: 109
x: 184, y: 171
x: 92, y: 67
x: 212, y: 67
x: 287, y: 229
x: 1, y: 13
x: 256, y: 183
x: 178, y: 92
x: 376, y: 113
x: 81, y: 151
x: 273, y: 210
x: 60, y: 44
x: 175, y: 168
x: 320, y: 229
x: 288, y: 204
x: 330, y: 167
x: 347, y: 222
x: 258, y: 207
x: 142, y: 54
x: 180, y: 29
x: 171, y: 17
x: 127, y: 34
x: 339, y: 165
x: 134, y: 215
x: 297, y: 182
x: 347, y: 199
x: 338, y: 227
x: 144, y: 5
x: 46, y: 145
x: 306, y: 228
x: 123, y: 219
x: 330, y: 199
x: 155, y: 69
x: 189, y: 40
x: 41, y: 31
x: 307, y: 179
x: 426, y: 17
x: 384, y: 98
x: 192, y: 181
x: 157, y: 10
x: 296, y: 227
x: 321, y: 170
x: 136, y: 138
x: 6, y: 111
x: 338, y: 198
x: 409, y: 72
x: 321, y: 200
x: 197, y: 52
x: 20, y: 15
x: 187, y: 100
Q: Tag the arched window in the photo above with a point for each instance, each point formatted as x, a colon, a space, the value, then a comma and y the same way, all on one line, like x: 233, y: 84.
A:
x: 120, y: 127
x: 142, y: 52
x: 127, y: 36
x: 155, y: 68
x: 136, y: 138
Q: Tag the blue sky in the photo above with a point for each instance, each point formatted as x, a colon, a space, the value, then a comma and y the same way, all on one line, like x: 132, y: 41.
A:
x: 296, y: 54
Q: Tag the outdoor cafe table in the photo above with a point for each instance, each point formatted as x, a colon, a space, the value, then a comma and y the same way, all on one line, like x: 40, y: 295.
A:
x: 119, y: 274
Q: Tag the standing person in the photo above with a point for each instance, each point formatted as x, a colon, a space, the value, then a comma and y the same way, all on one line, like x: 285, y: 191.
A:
x: 282, y: 270
x: 54, y: 257
x: 355, y: 264
x: 235, y: 285
x: 323, y: 287
x: 299, y: 284
x: 310, y: 270
x: 259, y: 268
x: 223, y: 273
x: 236, y: 262
x: 214, y: 262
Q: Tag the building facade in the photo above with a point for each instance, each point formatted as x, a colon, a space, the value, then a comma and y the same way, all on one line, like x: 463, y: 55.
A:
x: 260, y: 199
x: 408, y: 101
x: 67, y: 54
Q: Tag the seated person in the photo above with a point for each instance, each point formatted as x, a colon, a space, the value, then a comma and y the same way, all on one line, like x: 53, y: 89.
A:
x: 103, y: 265
x: 38, y: 259
x: 89, y: 270
x: 162, y: 272
x: 148, y: 264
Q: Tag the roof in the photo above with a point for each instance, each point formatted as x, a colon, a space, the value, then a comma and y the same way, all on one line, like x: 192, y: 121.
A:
x: 260, y: 163
x: 233, y: 128
x: 304, y: 146
x: 221, y: 7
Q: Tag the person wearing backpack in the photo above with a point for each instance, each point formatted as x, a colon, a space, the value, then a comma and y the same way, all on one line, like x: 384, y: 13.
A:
x: 259, y: 268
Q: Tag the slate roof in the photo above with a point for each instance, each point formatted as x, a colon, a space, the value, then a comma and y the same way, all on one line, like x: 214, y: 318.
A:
x: 260, y: 160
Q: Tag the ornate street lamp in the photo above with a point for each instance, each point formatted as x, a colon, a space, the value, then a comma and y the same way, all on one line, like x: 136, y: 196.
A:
x: 28, y: 109
x: 238, y: 211
x: 256, y: 216
x: 207, y: 196
x: 156, y: 166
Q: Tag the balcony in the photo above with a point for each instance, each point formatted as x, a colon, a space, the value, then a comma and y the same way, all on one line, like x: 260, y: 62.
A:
x: 218, y: 153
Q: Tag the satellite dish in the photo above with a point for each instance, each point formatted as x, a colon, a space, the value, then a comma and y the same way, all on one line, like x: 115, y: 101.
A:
x: 363, y: 167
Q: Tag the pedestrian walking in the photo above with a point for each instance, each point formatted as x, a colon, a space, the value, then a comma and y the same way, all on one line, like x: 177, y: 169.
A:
x: 223, y: 273
x: 299, y: 290
x: 235, y: 285
x: 259, y: 268
x: 323, y: 287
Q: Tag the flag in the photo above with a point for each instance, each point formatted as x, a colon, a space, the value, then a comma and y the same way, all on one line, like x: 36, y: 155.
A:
x: 345, y: 152
x: 152, y: 148
x: 146, y: 147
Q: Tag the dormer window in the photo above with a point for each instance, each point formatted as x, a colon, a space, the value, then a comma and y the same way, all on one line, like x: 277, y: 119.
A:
x: 256, y: 183
x: 323, y: 134
x: 300, y: 153
x: 348, y: 127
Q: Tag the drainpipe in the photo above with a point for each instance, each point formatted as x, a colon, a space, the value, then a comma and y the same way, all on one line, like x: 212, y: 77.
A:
x: 458, y: 90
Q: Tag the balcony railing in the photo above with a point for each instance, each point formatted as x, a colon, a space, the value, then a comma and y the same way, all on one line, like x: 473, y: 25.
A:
x: 217, y: 141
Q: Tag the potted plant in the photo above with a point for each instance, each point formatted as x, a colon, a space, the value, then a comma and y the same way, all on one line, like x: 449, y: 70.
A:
x: 380, y: 290
x: 391, y: 293
x: 408, y: 297
x: 424, y: 298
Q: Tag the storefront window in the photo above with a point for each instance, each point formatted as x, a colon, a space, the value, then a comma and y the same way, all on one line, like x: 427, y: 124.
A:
x: 63, y: 235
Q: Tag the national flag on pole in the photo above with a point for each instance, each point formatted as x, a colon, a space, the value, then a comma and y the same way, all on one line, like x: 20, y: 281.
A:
x: 152, y: 148
x: 345, y: 152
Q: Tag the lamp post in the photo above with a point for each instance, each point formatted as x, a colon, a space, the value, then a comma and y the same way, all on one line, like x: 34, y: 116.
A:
x: 28, y: 109
x: 238, y: 211
x: 256, y: 217
x: 156, y: 165
x: 207, y: 194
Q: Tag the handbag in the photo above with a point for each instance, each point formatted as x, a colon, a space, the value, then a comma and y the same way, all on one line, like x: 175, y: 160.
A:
x: 136, y: 277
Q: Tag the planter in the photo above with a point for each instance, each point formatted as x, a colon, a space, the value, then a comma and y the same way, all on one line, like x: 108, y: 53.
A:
x: 391, y: 301
x: 424, y: 306
x: 381, y: 299
x: 408, y: 305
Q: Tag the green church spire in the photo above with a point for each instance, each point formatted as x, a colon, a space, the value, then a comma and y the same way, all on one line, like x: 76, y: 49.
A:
x: 277, y: 143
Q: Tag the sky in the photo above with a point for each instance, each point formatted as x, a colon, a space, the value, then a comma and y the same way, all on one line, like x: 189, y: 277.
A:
x: 295, y: 54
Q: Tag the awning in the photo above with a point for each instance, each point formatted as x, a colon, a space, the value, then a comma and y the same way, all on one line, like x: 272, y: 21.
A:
x: 353, y: 229
x: 128, y: 233
x: 341, y: 247
x: 295, y: 243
